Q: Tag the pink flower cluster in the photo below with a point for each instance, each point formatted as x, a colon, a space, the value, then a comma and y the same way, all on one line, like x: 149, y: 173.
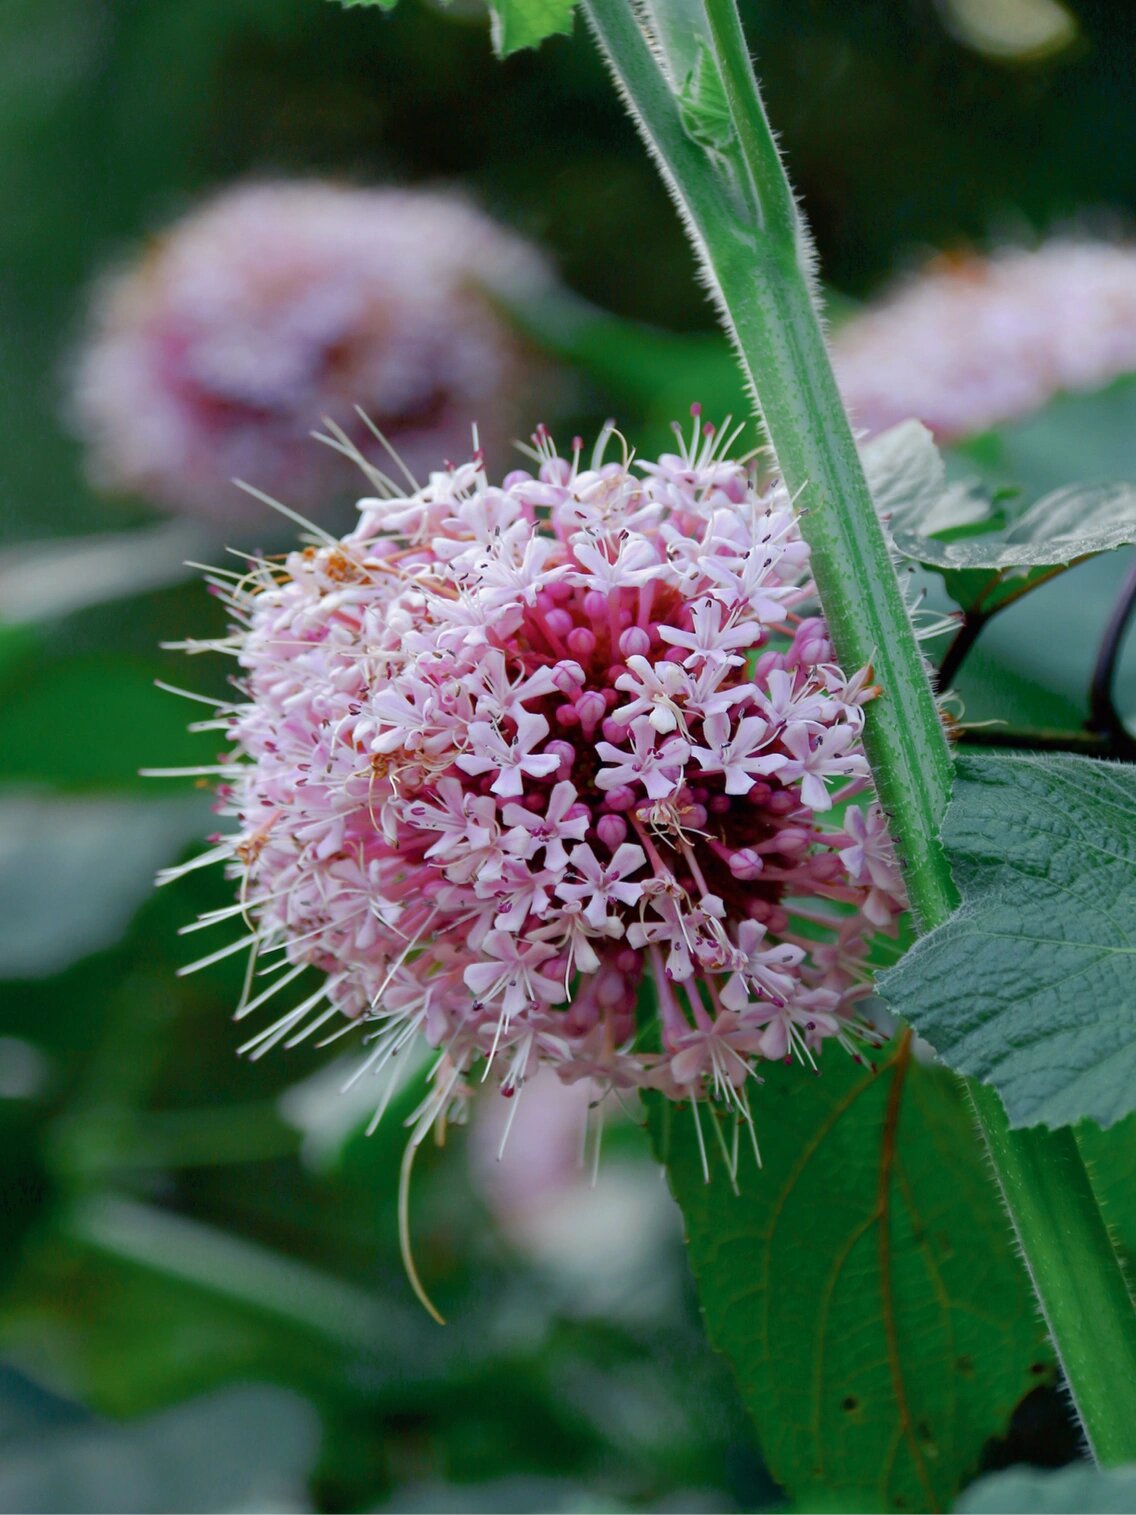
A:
x: 276, y: 305
x: 510, y: 752
x: 973, y: 342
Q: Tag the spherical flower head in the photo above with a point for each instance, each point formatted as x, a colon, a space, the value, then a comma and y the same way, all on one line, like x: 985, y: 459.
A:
x: 560, y: 771
x: 277, y: 305
x: 972, y: 342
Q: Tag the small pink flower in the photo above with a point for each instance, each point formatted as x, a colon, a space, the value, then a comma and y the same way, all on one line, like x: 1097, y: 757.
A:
x: 816, y: 756
x: 658, y: 691
x: 870, y: 859
x: 716, y: 636
x: 510, y: 974
x: 739, y: 753
x: 658, y: 769
x: 530, y: 832
x: 511, y: 758
x: 604, y: 885
x: 764, y: 972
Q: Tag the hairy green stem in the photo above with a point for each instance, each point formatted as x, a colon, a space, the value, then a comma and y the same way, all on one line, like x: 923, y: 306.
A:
x: 757, y: 266
x: 1082, y: 1292
x: 749, y: 232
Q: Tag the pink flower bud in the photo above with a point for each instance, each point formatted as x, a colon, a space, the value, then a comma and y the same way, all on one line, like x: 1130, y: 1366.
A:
x: 612, y: 831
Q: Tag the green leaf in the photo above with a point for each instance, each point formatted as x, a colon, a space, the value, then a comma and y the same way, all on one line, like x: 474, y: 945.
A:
x: 986, y: 551
x: 517, y: 24
x: 261, y: 1443
x: 1031, y: 985
x: 703, y: 106
x: 908, y: 480
x: 1074, y: 436
x: 862, y: 1283
x: 1081, y: 1487
x: 1062, y: 528
x: 73, y: 871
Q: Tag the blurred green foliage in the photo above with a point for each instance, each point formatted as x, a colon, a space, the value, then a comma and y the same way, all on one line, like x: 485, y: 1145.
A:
x: 175, y: 1232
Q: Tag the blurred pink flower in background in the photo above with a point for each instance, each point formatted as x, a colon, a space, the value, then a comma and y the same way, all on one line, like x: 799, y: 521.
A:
x: 972, y: 342
x: 274, y: 305
x: 603, y: 1230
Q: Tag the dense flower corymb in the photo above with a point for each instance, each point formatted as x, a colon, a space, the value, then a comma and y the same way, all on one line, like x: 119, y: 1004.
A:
x: 509, y: 750
x: 275, y: 304
x: 972, y: 342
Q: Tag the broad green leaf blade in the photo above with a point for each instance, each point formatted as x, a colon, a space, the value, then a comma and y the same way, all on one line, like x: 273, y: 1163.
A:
x: 908, y: 480
x: 1075, y: 436
x: 1081, y: 1487
x: 961, y: 530
x: 386, y: 5
x: 518, y: 24
x: 1031, y: 985
x: 863, y: 1282
x: 1060, y: 529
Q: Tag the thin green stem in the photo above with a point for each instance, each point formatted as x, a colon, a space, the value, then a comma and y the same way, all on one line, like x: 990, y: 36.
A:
x: 973, y: 625
x: 1044, y: 739
x: 759, y: 266
x: 1071, y: 1261
x: 775, y: 209
x: 977, y: 618
x: 765, y: 295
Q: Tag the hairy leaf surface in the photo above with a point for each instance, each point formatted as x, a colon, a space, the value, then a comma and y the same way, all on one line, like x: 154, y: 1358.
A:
x: 988, y: 547
x: 1031, y: 985
x: 862, y: 1283
x: 1060, y: 529
x: 908, y: 480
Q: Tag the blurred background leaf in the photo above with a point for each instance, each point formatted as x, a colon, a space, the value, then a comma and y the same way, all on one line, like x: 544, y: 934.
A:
x: 73, y: 871
x: 247, y: 1448
x: 1094, y: 1491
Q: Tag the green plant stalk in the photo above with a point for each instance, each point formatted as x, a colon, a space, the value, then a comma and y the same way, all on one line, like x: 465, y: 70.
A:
x: 756, y: 253
x: 757, y: 268
x: 1072, y: 1263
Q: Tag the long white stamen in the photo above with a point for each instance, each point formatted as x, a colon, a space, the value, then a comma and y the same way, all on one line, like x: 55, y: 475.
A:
x: 216, y: 957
